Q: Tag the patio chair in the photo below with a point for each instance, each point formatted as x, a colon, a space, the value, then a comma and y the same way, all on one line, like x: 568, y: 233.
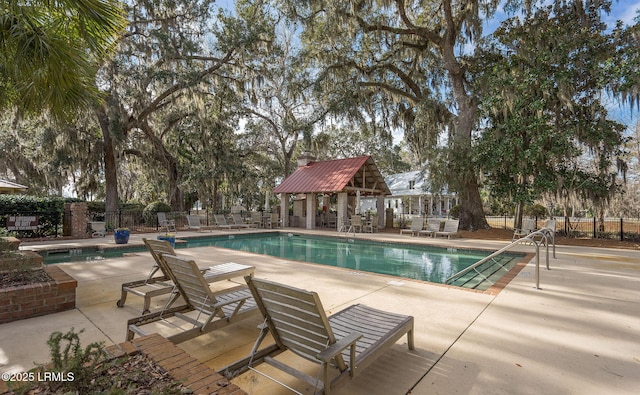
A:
x: 98, y: 229
x: 549, y: 231
x: 168, y: 225
x: 416, y: 226
x: 332, y: 220
x: 356, y: 223
x: 550, y: 228
x: 213, y: 310
x: 371, y: 226
x: 450, y: 228
x: 164, y: 283
x: 433, y: 226
x: 528, y: 226
x: 237, y: 220
x: 256, y: 219
x: 273, y: 221
x: 349, y: 340
x: 221, y: 222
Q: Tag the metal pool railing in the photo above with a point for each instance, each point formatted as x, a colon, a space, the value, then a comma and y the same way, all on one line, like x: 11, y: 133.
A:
x: 543, y: 236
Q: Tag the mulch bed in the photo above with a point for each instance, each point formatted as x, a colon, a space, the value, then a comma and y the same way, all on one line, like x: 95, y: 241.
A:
x: 23, y: 278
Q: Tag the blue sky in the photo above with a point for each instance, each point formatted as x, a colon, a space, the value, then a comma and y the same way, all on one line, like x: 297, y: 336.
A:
x: 624, y: 10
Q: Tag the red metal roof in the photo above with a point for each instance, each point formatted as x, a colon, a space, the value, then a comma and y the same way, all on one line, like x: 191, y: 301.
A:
x: 332, y: 176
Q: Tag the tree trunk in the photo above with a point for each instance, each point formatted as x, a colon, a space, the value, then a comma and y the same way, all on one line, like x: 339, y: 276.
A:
x: 517, y: 220
x: 464, y: 174
x: 175, y: 194
x: 471, y: 212
x: 110, y: 166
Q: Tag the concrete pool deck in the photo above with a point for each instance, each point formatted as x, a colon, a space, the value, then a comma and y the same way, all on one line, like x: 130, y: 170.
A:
x: 578, y: 334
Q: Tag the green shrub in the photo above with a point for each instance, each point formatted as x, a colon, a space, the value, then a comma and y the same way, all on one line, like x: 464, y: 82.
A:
x: 455, y: 212
x: 49, y: 210
x: 135, y: 207
x: 96, y: 206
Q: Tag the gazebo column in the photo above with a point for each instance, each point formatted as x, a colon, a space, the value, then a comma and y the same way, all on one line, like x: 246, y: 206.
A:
x: 311, y: 211
x: 343, y: 204
x: 284, y: 209
x: 381, y: 211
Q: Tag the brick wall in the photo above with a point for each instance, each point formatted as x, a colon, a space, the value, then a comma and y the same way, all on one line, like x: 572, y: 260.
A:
x: 33, y: 300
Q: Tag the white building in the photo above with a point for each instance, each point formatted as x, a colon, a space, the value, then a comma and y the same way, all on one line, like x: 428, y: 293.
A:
x: 410, y: 194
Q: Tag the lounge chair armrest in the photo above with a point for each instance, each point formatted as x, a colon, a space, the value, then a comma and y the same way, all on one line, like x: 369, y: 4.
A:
x: 338, y: 346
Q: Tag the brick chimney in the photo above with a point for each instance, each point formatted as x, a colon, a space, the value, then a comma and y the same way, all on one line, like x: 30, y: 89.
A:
x: 305, y: 158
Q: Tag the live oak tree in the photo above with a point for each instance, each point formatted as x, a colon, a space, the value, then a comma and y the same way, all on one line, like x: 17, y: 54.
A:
x: 408, y: 53
x: 173, y: 55
x: 280, y: 105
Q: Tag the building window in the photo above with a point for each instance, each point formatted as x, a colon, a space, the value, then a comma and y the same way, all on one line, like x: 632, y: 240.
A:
x: 412, y: 184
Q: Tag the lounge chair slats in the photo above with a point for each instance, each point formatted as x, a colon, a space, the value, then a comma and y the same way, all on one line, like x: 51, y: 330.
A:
x: 348, y: 340
x: 450, y: 228
x: 416, y: 226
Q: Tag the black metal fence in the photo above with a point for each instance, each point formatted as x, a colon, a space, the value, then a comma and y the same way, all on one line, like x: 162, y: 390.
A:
x: 136, y: 220
x: 48, y: 224
x: 611, y: 228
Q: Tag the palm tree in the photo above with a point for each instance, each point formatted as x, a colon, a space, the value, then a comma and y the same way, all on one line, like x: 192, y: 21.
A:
x: 49, y: 51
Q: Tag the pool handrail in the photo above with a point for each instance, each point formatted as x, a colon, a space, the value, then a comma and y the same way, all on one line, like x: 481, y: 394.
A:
x: 545, y: 236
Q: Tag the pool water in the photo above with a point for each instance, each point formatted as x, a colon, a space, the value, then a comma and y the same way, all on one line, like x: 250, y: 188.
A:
x: 427, y: 263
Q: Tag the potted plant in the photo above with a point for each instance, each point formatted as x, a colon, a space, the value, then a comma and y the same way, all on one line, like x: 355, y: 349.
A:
x: 170, y: 237
x: 121, y: 235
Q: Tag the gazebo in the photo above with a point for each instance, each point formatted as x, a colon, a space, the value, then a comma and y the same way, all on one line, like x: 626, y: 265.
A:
x: 350, y: 177
x: 7, y: 187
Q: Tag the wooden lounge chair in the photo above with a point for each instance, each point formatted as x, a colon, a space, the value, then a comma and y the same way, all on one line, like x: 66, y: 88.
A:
x: 450, y: 228
x: 194, y: 223
x: 213, y: 310
x: 221, y: 222
x: 349, y: 340
x: 416, y: 226
x: 163, y: 283
x: 433, y: 226
x: 237, y: 220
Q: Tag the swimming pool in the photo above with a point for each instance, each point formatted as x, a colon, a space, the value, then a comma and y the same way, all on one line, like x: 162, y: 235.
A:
x: 427, y: 263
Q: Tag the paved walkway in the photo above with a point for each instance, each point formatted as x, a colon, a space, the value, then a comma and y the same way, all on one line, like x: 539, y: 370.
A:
x: 579, y: 334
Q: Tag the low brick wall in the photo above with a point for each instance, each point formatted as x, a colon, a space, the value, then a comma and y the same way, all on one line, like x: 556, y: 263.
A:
x: 180, y: 365
x: 33, y: 300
